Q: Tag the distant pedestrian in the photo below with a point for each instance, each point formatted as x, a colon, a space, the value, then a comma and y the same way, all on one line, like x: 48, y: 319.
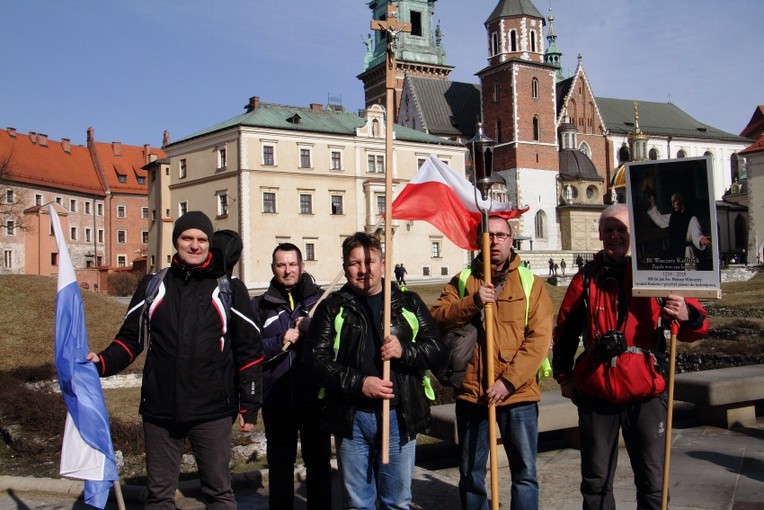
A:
x: 563, y: 265
x: 556, y: 268
x: 551, y: 266
x: 398, y: 274
x: 580, y: 261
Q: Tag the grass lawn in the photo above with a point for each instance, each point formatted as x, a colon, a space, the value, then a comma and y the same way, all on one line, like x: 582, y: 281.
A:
x: 27, y: 305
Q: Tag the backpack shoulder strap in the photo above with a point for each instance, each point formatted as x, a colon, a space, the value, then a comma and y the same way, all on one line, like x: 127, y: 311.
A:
x: 144, y: 324
x: 226, y: 294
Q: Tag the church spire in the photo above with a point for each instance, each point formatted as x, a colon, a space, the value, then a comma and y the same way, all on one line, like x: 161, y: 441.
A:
x: 419, y: 53
x: 553, y: 54
x: 422, y: 46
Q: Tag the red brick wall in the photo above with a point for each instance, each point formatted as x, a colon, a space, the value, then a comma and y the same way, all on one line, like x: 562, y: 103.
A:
x: 516, y: 95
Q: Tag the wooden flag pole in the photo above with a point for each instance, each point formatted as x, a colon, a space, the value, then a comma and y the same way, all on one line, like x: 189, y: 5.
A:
x: 481, y: 150
x: 489, y: 353
x: 669, y: 416
x: 118, y: 495
x: 391, y: 27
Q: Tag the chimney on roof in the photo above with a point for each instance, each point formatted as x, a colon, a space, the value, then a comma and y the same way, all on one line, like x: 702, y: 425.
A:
x: 42, y: 140
x: 91, y: 133
x: 146, y: 152
x: 165, y: 138
x: 66, y: 145
x: 116, y: 148
x: 11, y: 132
x: 316, y: 107
x: 33, y: 137
x: 254, y: 102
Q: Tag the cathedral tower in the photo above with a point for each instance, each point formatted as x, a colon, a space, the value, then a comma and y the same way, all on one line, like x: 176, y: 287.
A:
x: 419, y: 53
x: 519, y: 112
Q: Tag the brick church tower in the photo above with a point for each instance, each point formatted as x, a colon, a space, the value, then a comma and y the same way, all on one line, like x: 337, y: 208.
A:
x: 419, y: 53
x: 519, y: 112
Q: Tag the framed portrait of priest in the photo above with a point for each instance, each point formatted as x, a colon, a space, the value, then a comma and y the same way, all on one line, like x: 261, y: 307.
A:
x: 674, y: 234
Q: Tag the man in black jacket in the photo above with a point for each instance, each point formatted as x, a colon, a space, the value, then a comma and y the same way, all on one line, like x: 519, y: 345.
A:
x: 345, y: 353
x: 202, y: 367
x: 290, y: 405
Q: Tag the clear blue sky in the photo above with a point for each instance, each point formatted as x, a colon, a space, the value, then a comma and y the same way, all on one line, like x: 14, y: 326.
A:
x: 133, y: 68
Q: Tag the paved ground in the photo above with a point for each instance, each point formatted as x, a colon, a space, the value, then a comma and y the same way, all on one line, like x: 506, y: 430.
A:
x: 711, y: 468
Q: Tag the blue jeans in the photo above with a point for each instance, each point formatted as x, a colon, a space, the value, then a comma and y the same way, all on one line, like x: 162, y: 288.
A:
x: 364, y: 477
x: 518, y: 426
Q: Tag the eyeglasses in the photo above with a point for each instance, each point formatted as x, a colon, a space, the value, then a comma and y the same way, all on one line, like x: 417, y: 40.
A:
x: 498, y: 236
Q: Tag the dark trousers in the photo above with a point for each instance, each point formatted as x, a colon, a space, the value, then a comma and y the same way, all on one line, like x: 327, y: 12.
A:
x: 644, y: 431
x: 211, y: 444
x: 282, y: 427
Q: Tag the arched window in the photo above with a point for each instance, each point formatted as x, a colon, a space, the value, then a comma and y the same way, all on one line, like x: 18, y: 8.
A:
x: 494, y: 43
x: 512, y: 40
x: 653, y: 154
x: 584, y: 147
x: 741, y: 232
x: 540, y: 225
x: 681, y: 153
x: 535, y: 128
x: 533, y: 41
x: 735, y: 167
x: 375, y: 128
x: 535, y: 88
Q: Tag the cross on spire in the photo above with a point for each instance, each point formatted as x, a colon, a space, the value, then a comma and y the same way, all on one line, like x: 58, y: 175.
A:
x: 392, y: 27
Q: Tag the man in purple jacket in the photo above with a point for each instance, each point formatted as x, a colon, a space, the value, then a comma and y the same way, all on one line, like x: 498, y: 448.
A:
x: 290, y: 404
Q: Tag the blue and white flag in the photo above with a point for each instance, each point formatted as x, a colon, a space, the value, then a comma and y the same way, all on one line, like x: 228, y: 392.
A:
x: 87, y: 452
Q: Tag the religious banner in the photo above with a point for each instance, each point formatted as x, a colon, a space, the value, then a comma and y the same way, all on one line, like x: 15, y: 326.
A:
x: 674, y: 242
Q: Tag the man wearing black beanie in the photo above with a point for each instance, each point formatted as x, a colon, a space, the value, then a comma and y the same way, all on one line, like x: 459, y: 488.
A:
x: 203, y: 367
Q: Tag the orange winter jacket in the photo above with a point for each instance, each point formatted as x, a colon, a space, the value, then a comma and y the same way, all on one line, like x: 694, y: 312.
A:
x: 518, y: 350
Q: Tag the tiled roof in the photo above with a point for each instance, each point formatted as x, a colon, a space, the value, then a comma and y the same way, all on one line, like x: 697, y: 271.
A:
x: 126, y: 161
x: 507, y: 8
x: 563, y: 87
x: 296, y: 118
x: 447, y: 108
x: 756, y: 147
x: 36, y: 160
x: 755, y: 127
x: 657, y: 119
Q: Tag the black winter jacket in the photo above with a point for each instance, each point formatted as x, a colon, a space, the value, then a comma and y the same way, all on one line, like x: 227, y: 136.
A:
x: 193, y: 370
x: 340, y: 374
x: 284, y: 382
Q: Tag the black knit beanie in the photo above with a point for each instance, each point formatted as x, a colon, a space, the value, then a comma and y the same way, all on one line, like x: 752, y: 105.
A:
x: 192, y: 219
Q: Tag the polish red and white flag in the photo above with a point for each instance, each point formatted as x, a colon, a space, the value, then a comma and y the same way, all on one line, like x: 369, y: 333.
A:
x: 449, y: 202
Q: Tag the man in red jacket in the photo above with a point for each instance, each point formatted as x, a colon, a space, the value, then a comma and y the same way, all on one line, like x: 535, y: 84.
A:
x: 614, y: 325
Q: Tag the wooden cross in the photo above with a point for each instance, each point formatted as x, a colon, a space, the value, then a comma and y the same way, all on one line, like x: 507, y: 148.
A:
x: 392, y: 27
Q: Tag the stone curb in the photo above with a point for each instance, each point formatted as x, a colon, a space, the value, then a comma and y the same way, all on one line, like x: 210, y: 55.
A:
x: 130, y: 493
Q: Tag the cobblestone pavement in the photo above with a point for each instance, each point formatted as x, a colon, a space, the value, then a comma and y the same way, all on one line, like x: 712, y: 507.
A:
x: 711, y: 468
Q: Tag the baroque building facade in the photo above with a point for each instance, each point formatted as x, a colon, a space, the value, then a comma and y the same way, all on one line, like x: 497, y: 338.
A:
x: 306, y: 175
x: 99, y: 192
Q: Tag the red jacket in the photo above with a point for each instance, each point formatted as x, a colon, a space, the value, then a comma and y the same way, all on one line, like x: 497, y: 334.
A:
x: 610, y: 288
